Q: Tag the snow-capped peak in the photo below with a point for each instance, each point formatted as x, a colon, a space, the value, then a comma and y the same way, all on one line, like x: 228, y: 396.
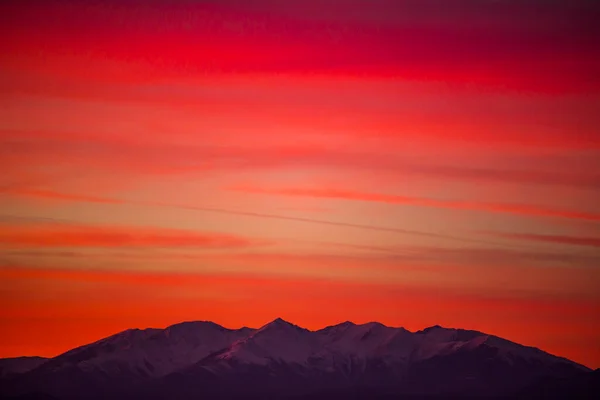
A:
x: 151, y: 352
x: 199, y: 353
x: 277, y: 341
x: 157, y: 352
x: 280, y: 323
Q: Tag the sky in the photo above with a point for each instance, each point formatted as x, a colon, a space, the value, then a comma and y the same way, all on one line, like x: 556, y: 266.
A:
x: 408, y: 162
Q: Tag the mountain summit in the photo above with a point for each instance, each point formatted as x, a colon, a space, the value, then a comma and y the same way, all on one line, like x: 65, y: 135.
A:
x: 205, y: 360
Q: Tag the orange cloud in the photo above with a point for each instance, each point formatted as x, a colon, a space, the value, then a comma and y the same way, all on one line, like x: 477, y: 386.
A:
x: 63, y: 235
x: 160, y: 155
x: 53, y: 195
x: 519, y: 209
x: 47, y: 194
x: 563, y: 239
x: 516, y: 209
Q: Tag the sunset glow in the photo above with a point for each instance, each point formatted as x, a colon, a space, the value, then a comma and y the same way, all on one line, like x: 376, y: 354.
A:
x: 410, y: 162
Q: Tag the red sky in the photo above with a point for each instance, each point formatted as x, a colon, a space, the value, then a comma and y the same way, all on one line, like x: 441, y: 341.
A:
x: 411, y: 162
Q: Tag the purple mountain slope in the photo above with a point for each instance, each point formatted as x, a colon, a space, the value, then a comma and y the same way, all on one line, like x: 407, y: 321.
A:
x: 19, y: 365
x: 203, y: 359
x: 148, y: 352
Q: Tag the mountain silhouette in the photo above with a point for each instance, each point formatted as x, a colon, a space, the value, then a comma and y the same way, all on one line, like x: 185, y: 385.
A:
x: 284, y: 361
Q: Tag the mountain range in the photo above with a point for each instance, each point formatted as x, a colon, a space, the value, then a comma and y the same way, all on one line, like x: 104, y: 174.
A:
x: 203, y: 360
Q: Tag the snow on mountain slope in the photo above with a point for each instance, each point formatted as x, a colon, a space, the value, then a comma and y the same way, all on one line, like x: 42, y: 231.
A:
x: 151, y: 352
x: 348, y: 343
x: 281, y: 341
x: 278, y: 341
x: 195, y: 358
x: 439, y: 341
x: 367, y: 340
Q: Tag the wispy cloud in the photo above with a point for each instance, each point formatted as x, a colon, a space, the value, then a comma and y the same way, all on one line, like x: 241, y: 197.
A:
x: 344, y: 254
x: 53, y: 195
x: 581, y: 179
x: 64, y: 235
x: 70, y: 197
x: 509, y: 208
x: 159, y: 156
x: 308, y: 209
x: 562, y: 239
x: 475, y: 255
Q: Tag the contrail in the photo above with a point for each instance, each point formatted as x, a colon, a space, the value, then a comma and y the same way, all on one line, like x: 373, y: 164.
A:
x: 330, y: 223
x: 289, y: 218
